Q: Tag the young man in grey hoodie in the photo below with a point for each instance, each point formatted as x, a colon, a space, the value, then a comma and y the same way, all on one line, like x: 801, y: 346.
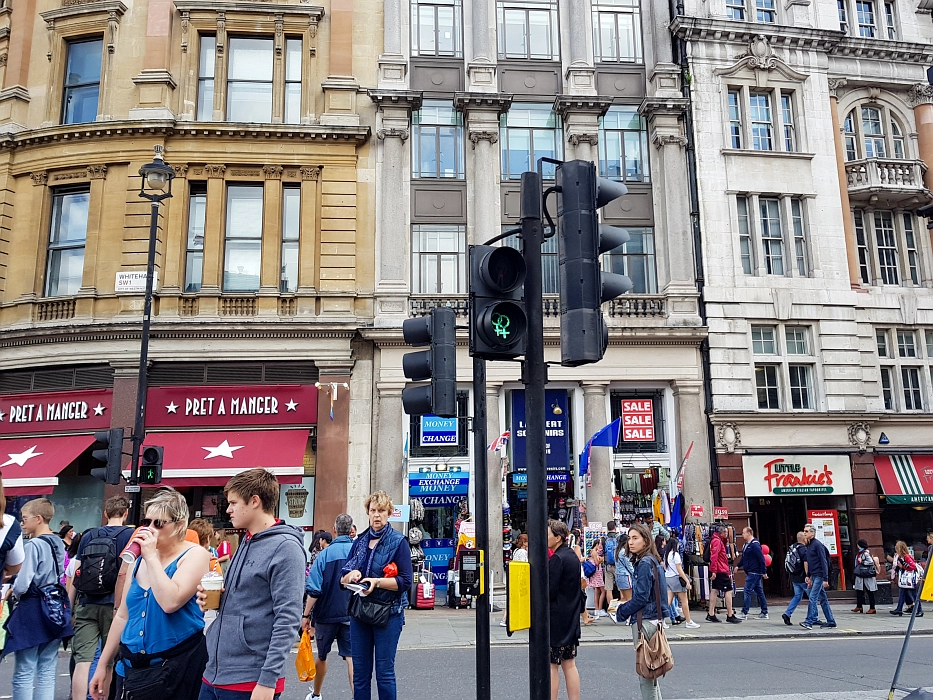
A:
x: 260, y: 607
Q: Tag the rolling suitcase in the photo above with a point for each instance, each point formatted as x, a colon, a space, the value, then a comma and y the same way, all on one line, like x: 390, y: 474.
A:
x: 424, y: 596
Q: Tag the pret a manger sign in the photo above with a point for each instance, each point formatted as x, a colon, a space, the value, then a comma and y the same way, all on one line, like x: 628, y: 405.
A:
x: 195, y: 406
x: 797, y: 475
x: 55, y: 411
x: 638, y: 420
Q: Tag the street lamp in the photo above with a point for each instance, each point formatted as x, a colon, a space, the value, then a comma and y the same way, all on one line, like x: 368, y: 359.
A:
x: 154, y: 178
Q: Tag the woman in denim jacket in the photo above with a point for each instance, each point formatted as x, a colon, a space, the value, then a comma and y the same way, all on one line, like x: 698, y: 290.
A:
x: 644, y: 598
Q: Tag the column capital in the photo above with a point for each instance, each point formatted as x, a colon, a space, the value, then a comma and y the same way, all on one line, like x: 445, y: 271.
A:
x: 920, y: 94
x: 482, y: 102
x: 687, y: 386
x: 835, y: 85
x: 407, y: 99
x: 565, y: 104
x: 390, y: 389
x: 591, y: 387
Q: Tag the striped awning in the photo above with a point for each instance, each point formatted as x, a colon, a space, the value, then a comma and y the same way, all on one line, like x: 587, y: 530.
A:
x: 906, y: 478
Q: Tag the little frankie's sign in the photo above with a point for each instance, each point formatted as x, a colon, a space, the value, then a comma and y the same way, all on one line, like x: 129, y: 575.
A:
x: 797, y: 475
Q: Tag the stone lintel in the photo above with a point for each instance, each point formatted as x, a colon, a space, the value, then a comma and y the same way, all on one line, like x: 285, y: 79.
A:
x: 408, y: 99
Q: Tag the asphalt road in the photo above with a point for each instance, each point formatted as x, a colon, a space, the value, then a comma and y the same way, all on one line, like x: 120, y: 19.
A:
x: 703, y: 670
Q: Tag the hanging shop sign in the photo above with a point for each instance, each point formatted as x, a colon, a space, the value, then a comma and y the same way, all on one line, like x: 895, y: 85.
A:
x: 438, y: 431
x: 556, y: 429
x: 797, y: 475
x: 552, y: 477
x: 447, y: 483
x: 720, y: 513
x: 55, y: 411
x: 638, y: 420
x: 264, y: 404
x: 697, y: 511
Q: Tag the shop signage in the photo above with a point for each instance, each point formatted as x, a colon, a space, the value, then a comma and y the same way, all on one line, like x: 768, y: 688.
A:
x: 438, y: 483
x: 401, y: 514
x: 552, y: 478
x: 826, y: 523
x: 556, y: 429
x: 55, y: 411
x: 438, y: 431
x: 440, y: 501
x: 720, y: 513
x: 438, y: 553
x: 638, y: 420
x: 697, y: 510
x: 134, y: 281
x: 797, y: 475
x: 202, y: 406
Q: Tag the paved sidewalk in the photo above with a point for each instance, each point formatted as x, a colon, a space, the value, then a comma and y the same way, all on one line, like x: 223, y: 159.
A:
x: 443, y: 627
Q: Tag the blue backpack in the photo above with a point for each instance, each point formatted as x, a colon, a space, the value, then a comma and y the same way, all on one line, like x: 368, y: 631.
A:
x: 611, y: 544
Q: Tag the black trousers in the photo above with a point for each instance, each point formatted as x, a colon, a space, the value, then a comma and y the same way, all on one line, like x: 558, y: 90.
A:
x: 860, y: 599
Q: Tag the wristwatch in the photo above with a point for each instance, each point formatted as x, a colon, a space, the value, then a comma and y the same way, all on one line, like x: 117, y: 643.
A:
x: 306, y: 617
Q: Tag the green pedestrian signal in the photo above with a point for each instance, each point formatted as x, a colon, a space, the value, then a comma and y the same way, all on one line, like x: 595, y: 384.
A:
x: 497, y: 307
x: 501, y: 323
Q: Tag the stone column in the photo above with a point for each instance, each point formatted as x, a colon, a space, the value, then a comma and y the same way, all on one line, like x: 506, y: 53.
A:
x: 599, y: 494
x: 387, y: 473
x: 340, y: 88
x: 581, y: 75
x: 271, y: 246
x: 848, y: 225
x: 333, y: 439
x: 14, y: 98
x: 481, y: 71
x: 393, y: 64
x: 673, y: 238
x: 155, y: 83
x: 393, y: 178
x: 494, y: 482
x: 580, y: 116
x: 484, y: 207
x: 690, y: 418
x: 921, y: 97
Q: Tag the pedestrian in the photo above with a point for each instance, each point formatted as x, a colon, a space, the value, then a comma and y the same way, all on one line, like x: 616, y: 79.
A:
x: 609, y: 549
x: 224, y: 549
x: 575, y: 544
x: 929, y: 549
x: 380, y: 560
x: 866, y: 582
x: 677, y: 581
x: 721, y: 575
x: 205, y: 533
x: 519, y: 553
x: 625, y: 571
x: 325, y: 616
x: 595, y: 581
x: 95, y: 581
x: 565, y: 600
x: 260, y: 607
x: 319, y: 543
x: 648, y: 573
x: 752, y: 560
x: 32, y: 637
x: 12, y: 554
x: 793, y: 564
x: 158, y: 629
x: 907, y: 575
x: 816, y: 566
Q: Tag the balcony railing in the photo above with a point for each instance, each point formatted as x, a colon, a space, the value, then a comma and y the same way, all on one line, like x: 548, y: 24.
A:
x: 628, y: 306
x: 55, y: 310
x: 886, y: 182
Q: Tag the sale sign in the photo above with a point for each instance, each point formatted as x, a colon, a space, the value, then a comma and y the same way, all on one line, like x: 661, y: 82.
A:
x: 720, y: 513
x: 697, y: 510
x: 638, y: 420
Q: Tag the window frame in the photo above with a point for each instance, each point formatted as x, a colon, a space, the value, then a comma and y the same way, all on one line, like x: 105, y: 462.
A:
x: 290, y: 239
x: 67, y: 87
x: 456, y: 28
x: 506, y: 133
x: 903, y: 261
x: 197, y: 189
x: 771, y: 346
x: 905, y: 364
x: 613, y: 11
x: 790, y: 248
x: 883, y: 23
x: 757, y: 11
x: 53, y: 248
x: 417, y: 255
x: 418, y: 126
x: 505, y: 53
x: 748, y: 129
x: 891, y: 138
x: 231, y: 185
x: 620, y: 260
x: 624, y: 137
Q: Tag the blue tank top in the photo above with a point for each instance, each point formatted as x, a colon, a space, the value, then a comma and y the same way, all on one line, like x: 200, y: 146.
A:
x: 150, y: 629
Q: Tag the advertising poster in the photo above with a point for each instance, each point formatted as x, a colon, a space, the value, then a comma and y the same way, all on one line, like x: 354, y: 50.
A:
x: 556, y: 430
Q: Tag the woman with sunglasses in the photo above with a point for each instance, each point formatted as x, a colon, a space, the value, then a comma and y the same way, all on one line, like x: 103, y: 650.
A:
x: 158, y: 628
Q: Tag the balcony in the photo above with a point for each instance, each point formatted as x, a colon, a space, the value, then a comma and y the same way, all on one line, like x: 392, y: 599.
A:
x: 886, y: 183
x: 627, y: 306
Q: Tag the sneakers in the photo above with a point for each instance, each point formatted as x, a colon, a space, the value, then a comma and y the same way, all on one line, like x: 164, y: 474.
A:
x: 741, y: 615
x: 827, y: 625
x: 733, y: 619
x: 762, y: 616
x: 712, y: 618
x: 786, y: 619
x: 502, y: 623
x: 691, y: 625
x: 806, y: 625
x: 312, y: 696
x: 896, y: 612
x: 667, y: 625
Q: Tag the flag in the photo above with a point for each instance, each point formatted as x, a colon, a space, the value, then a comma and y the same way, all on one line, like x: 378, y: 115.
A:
x: 604, y: 437
x: 500, y: 442
x: 680, y: 472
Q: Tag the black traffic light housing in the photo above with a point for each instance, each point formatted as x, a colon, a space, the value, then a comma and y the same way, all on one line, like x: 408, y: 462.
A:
x: 584, y: 287
x: 150, y: 464
x: 111, y: 454
x: 439, y: 364
x: 498, y: 323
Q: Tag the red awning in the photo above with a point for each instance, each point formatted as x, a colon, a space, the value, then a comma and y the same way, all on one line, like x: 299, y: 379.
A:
x: 906, y: 479
x: 210, y: 458
x: 31, y: 465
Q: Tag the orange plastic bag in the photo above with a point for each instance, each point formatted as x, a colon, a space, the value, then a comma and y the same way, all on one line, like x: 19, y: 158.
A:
x: 304, y: 664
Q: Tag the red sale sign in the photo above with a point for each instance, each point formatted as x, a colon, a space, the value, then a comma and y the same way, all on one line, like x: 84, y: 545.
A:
x: 696, y: 510
x: 720, y: 513
x: 638, y: 420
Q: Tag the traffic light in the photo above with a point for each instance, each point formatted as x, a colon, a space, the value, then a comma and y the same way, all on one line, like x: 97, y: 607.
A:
x: 110, y: 453
x: 150, y: 465
x: 439, y: 364
x: 498, y: 323
x: 584, y: 336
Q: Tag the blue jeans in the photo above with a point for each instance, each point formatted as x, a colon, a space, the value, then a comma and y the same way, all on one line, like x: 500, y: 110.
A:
x: 799, y: 590
x: 209, y: 692
x: 818, y: 598
x: 753, y: 584
x: 909, y: 596
x: 375, y: 645
x: 35, y: 671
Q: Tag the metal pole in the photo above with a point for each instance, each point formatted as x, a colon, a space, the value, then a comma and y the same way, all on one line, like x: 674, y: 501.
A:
x: 142, y: 386
x: 483, y: 682
x: 539, y: 670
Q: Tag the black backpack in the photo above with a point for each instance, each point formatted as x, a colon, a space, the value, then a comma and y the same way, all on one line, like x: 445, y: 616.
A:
x: 100, y: 565
x: 707, y: 551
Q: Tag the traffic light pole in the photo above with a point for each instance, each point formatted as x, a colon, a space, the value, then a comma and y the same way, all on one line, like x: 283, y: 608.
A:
x: 539, y: 671
x: 480, y: 471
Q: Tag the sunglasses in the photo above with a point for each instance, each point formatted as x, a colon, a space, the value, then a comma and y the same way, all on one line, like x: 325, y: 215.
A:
x: 157, y: 524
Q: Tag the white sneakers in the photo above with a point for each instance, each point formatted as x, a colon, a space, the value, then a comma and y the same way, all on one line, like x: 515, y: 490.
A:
x: 691, y: 625
x: 312, y: 696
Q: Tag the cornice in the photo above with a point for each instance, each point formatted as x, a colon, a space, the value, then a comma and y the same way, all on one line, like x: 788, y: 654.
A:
x: 396, y: 98
x: 90, y: 8
x: 674, y: 106
x: 499, y: 101
x: 266, y: 8
x: 818, y: 418
x: 597, y: 105
x: 877, y: 49
x: 733, y: 32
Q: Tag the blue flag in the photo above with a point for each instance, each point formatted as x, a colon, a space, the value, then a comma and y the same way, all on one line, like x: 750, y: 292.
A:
x: 605, y: 437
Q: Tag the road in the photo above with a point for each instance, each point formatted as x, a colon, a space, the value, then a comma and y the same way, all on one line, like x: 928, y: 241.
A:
x: 845, y: 668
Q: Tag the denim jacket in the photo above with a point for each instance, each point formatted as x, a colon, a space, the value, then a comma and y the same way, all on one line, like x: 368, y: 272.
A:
x: 643, y: 596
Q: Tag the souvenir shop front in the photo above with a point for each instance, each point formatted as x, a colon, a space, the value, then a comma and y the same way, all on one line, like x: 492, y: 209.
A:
x: 906, y: 482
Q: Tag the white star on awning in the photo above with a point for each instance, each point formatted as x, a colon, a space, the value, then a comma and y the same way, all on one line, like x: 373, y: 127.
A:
x: 99, y: 409
x: 224, y: 449
x: 291, y: 405
x: 21, y: 458
x: 172, y: 408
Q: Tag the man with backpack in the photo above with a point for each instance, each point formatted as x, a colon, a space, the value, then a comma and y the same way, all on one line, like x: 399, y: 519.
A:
x: 95, y: 580
x: 612, y: 543
x: 793, y: 564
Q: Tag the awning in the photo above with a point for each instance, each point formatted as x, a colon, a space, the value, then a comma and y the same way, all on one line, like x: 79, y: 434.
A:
x: 906, y: 478
x: 210, y: 458
x: 31, y: 465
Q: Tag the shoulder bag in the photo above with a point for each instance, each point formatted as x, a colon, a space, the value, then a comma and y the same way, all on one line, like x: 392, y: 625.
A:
x: 368, y: 611
x: 863, y: 570
x: 653, y: 657
x: 56, y: 607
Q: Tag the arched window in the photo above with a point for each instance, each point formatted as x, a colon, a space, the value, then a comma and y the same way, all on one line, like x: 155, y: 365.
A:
x: 872, y: 131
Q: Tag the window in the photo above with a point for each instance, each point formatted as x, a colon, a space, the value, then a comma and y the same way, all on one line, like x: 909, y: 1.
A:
x: 779, y: 227
x: 292, y: 81
x: 903, y: 367
x: 800, y: 240
x: 873, y: 131
x: 929, y: 344
x: 881, y: 338
x: 843, y: 15
x: 888, y: 247
x: 861, y: 243
x: 437, y: 28
x: 550, y: 268
x: 889, y: 24
x: 760, y: 105
x: 764, y: 11
x: 82, y: 81
x: 766, y: 382
x: 437, y: 144
x: 887, y: 389
x: 801, y: 387
x: 906, y: 344
x: 623, y: 145
x: 761, y: 11
x: 617, y: 30
x: 528, y: 132
x: 772, y: 241
x: 438, y: 259
x: 763, y: 341
x: 913, y: 260
x: 913, y: 398
x: 636, y: 260
x: 249, y: 80
x: 745, y: 236
x: 848, y: 129
x: 798, y: 342
x: 243, y: 244
x: 762, y: 119
x: 735, y: 9
x: 291, y: 228
x: 208, y: 53
x: 528, y: 29
x: 67, y: 235
x: 874, y: 19
x: 735, y: 120
x: 194, y: 253
x: 865, y: 15
x: 787, y: 115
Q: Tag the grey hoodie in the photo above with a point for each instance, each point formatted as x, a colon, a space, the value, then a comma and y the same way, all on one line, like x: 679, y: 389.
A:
x: 260, y: 609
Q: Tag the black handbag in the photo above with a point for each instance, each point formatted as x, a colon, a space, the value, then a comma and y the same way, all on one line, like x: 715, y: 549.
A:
x: 177, y: 668
x: 370, y: 612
